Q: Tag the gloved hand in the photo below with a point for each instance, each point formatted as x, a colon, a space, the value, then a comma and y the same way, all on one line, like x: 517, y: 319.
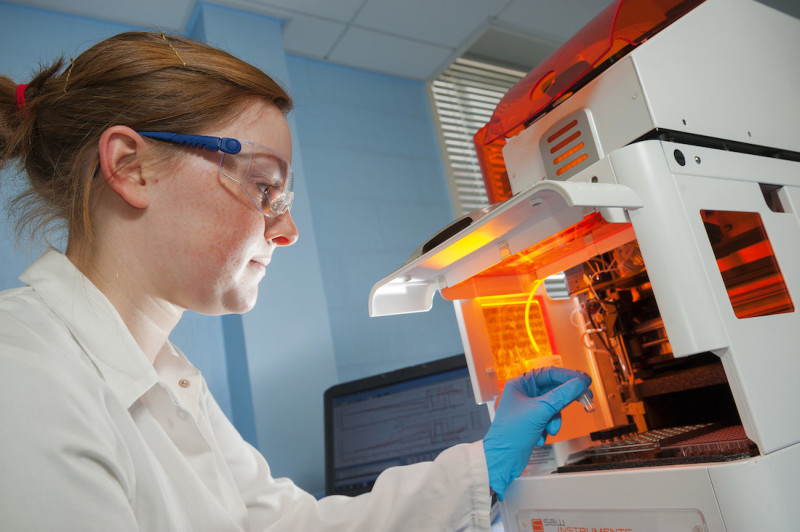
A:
x: 529, y: 410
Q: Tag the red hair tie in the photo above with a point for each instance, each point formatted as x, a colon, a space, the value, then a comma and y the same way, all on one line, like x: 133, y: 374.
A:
x: 21, y: 96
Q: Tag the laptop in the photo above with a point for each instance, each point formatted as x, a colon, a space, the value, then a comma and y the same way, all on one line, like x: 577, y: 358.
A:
x: 397, y: 418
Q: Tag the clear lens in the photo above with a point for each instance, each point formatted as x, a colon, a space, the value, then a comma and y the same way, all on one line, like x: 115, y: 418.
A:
x: 264, y: 175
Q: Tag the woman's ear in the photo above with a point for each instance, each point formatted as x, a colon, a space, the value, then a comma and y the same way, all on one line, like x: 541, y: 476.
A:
x: 120, y: 151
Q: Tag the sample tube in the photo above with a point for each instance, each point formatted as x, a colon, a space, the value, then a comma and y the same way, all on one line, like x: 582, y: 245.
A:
x: 586, y: 401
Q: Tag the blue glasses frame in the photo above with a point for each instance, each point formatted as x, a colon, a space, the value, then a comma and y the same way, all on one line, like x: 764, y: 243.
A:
x: 223, y: 144
x: 268, y: 206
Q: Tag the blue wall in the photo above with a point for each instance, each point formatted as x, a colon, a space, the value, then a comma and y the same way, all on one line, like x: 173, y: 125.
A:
x: 377, y: 192
x: 30, y: 37
x: 370, y: 188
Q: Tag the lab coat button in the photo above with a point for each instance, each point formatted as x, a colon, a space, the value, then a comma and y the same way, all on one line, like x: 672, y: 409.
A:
x: 184, y: 383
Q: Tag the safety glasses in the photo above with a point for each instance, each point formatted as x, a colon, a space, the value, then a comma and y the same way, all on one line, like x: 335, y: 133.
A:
x: 265, y: 176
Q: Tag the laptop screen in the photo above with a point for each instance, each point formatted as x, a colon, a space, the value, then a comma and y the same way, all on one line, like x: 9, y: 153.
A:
x: 398, y: 418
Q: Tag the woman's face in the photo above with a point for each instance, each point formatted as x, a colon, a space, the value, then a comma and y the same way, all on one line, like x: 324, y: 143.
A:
x: 210, y: 243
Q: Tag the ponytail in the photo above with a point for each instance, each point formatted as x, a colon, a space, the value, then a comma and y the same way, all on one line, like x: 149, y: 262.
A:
x: 50, y: 126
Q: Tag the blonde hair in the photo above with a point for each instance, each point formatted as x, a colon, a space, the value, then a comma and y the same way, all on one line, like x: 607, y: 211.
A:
x: 146, y: 81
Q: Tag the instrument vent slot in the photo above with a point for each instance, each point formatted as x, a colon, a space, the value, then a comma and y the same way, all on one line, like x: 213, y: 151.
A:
x: 569, y: 146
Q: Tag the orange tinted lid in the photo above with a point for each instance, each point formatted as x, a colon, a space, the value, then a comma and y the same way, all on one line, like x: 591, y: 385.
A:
x: 619, y: 28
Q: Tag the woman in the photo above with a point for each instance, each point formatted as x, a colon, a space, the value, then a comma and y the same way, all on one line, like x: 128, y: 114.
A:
x: 169, y: 161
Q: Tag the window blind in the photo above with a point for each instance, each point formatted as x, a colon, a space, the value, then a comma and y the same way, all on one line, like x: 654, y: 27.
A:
x: 464, y: 97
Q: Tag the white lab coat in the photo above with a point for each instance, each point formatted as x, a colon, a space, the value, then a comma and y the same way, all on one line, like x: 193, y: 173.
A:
x: 94, y: 437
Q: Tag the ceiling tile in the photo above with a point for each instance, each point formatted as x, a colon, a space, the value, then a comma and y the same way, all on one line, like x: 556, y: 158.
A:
x: 513, y: 49
x: 410, y: 38
x: 388, y: 54
x: 173, y: 15
x: 557, y: 20
x: 338, y: 10
x: 310, y: 36
x: 443, y: 23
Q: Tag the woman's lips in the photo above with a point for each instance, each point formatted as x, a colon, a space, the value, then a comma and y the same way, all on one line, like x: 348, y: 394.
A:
x: 260, y: 262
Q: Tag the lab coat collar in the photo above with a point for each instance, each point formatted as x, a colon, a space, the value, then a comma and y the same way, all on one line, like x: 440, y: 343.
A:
x: 95, y: 324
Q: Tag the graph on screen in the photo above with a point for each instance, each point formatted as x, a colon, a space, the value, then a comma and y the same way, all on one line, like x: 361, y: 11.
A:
x: 404, y: 423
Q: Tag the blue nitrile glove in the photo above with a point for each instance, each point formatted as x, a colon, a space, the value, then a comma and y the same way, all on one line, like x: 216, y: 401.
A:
x: 529, y: 410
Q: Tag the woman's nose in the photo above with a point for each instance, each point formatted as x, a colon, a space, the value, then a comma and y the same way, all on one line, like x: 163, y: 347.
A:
x: 281, y: 230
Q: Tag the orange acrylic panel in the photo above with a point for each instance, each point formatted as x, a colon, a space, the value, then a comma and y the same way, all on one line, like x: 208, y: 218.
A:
x: 516, y: 322
x: 518, y: 332
x: 493, y: 167
x: 747, y: 263
x: 581, y: 237
x: 617, y: 30
x: 565, y: 249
